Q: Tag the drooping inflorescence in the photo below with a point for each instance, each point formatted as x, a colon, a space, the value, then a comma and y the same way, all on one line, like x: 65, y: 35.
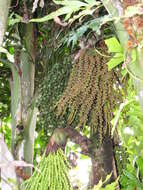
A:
x: 51, y: 174
x: 91, y: 93
x: 51, y: 89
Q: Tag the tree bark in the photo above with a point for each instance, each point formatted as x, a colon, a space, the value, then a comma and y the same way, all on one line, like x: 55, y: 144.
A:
x: 22, y: 103
x: 27, y: 65
x: 103, y: 163
x: 15, y: 106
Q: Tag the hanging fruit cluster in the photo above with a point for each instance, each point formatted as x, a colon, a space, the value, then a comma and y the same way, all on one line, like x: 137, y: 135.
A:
x: 90, y: 94
x: 52, y: 174
x: 56, y: 77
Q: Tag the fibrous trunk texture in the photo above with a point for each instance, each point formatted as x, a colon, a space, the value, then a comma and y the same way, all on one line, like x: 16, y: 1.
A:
x: 103, y: 163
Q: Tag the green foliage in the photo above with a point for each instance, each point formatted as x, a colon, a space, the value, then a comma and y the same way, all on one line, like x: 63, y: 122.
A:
x: 51, y: 174
x: 40, y: 142
x: 76, y: 10
x: 14, y: 18
x: 9, y: 56
x: 129, y: 121
x: 4, y: 92
x: 114, y: 47
x: 94, y: 25
x: 5, y: 129
x: 70, y: 7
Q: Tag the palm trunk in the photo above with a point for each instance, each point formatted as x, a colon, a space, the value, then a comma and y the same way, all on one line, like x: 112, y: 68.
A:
x: 15, y: 106
x: 23, y: 111
x: 27, y: 65
x: 103, y: 163
x: 22, y: 104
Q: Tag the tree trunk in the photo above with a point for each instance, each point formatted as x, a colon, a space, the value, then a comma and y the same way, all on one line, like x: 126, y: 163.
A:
x: 22, y: 100
x: 27, y: 65
x: 4, y: 9
x: 103, y: 163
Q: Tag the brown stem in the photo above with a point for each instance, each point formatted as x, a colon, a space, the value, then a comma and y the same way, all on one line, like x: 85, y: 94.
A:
x: 82, y: 141
x: 59, y: 139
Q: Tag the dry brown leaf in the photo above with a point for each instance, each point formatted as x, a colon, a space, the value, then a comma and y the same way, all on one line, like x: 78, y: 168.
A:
x: 41, y: 3
x: 58, y: 21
